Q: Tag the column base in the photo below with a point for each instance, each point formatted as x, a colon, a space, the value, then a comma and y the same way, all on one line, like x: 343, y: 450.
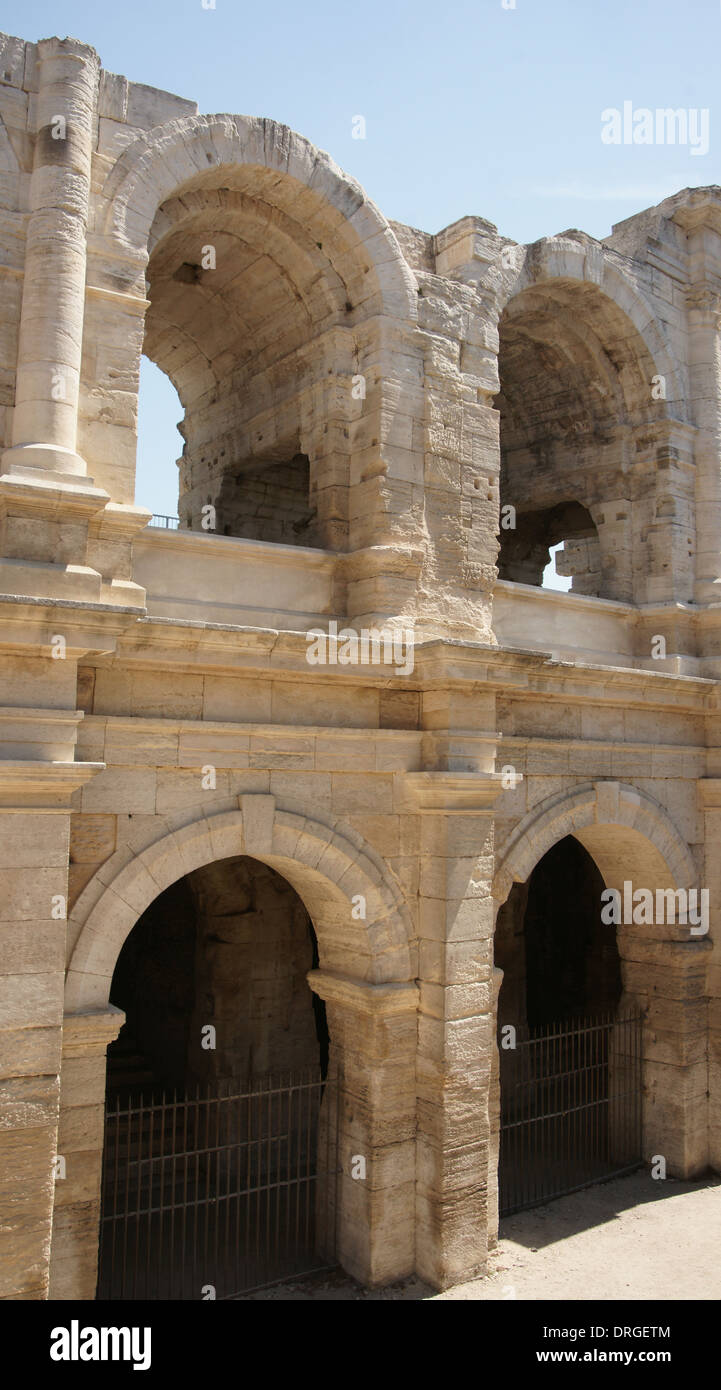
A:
x: 51, y: 458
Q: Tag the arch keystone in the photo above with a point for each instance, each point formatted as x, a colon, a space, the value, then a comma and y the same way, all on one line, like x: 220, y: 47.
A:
x: 607, y: 800
x: 258, y: 816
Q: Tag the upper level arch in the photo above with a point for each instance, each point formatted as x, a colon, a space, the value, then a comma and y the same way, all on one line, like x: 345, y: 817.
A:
x: 266, y: 285
x: 620, y: 309
x: 592, y: 422
x: 284, y: 170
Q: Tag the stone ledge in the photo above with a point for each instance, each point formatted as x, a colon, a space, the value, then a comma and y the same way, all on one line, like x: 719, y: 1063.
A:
x: 39, y: 786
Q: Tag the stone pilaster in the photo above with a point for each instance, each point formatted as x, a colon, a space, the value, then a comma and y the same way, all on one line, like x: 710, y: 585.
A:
x: 34, y: 836
x: 51, y: 324
x: 371, y: 1081
x: 76, y: 1215
x: 456, y: 1038
x: 704, y: 337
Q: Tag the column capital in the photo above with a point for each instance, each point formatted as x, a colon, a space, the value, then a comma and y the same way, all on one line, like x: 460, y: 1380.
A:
x: 89, y: 1032
x: 380, y: 1000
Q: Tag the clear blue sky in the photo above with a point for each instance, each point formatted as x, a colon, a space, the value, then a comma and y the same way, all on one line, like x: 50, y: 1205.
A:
x: 469, y: 107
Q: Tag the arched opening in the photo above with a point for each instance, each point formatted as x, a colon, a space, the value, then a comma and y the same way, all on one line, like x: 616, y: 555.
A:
x: 559, y: 960
x: 249, y: 316
x: 578, y: 455
x: 159, y: 444
x: 569, y: 1053
x: 217, y: 1107
x: 568, y: 530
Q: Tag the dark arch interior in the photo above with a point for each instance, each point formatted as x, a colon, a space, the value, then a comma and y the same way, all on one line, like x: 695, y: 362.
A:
x: 228, y: 946
x: 559, y: 960
x: 569, y: 1070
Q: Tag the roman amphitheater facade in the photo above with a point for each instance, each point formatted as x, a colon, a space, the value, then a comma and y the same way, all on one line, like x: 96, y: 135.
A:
x: 386, y: 430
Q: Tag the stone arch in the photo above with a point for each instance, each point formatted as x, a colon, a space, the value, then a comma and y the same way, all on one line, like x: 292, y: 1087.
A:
x: 170, y: 157
x: 591, y: 395
x: 630, y: 836
x: 594, y: 814
x: 326, y: 292
x: 584, y: 261
x: 326, y: 864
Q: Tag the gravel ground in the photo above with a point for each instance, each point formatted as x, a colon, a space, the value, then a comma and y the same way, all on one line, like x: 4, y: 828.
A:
x: 629, y: 1239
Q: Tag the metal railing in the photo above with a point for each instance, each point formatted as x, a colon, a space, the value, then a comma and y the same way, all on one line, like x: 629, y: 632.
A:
x: 218, y: 1193
x: 570, y: 1107
x: 166, y: 523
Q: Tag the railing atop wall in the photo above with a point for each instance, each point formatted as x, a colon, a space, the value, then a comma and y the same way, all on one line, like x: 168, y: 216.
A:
x: 166, y: 523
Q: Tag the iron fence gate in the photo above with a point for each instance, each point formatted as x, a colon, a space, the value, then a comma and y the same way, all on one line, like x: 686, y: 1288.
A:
x: 218, y: 1193
x: 570, y: 1107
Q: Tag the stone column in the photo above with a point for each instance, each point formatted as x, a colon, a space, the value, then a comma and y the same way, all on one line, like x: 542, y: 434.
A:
x: 456, y: 1038
x: 710, y: 800
x: 76, y: 1215
x: 371, y: 1080
x: 668, y: 979
x: 456, y: 1041
x: 494, y: 1117
x: 34, y: 835
x: 704, y: 349
x: 51, y: 324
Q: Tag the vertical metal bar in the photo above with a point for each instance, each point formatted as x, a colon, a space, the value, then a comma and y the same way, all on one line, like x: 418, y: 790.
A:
x: 173, y: 1159
x: 273, y: 1233
x: 149, y: 1222
x: 126, y: 1200
x: 523, y: 1135
x: 525, y: 1132
x: 185, y: 1238
x: 116, y: 1178
x: 297, y: 1173
x: 139, y: 1170
x: 578, y: 1075
x: 247, y: 1198
x: 554, y: 1104
x: 196, y: 1188
x: 233, y: 1123
x: 259, y: 1161
x: 284, y: 1175
x: 587, y: 1115
x: 310, y: 1183
x: 208, y: 1165
x: 268, y: 1174
x: 586, y: 1053
x: 639, y: 1086
x: 604, y: 1092
x: 578, y: 1088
